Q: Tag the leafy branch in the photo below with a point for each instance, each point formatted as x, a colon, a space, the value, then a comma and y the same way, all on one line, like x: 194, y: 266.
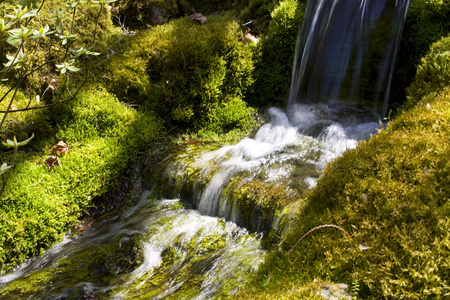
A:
x: 21, y: 43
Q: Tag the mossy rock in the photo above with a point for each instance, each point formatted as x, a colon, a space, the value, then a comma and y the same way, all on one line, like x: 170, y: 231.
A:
x: 39, y: 204
x: 191, y: 75
x: 273, y: 69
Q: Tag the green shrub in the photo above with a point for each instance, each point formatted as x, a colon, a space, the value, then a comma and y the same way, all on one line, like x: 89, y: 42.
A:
x: 433, y: 73
x: 184, y: 71
x: 273, y: 70
x: 39, y: 204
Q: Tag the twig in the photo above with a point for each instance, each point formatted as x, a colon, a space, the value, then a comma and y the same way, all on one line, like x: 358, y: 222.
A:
x: 314, y: 229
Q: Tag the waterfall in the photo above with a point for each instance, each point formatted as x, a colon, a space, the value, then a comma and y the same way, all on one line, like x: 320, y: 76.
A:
x: 345, y: 53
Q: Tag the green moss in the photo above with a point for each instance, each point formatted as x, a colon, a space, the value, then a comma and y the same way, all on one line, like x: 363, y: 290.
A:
x: 433, y: 72
x: 276, y: 55
x: 22, y: 125
x: 191, y: 75
x: 101, y: 264
x: 38, y: 205
x: 258, y: 202
x: 429, y: 22
x: 426, y: 22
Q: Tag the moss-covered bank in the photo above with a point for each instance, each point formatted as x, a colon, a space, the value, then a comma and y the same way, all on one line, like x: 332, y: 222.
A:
x: 39, y: 204
x: 193, y: 76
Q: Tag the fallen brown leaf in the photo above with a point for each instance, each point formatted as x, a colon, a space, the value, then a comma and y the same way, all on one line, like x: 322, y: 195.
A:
x: 61, y: 147
x: 52, y: 161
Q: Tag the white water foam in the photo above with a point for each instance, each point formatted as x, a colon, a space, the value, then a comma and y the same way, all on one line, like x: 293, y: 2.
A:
x: 314, y: 137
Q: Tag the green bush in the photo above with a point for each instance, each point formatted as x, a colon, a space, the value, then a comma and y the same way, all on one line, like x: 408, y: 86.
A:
x: 39, y: 204
x: 273, y: 70
x: 184, y: 71
x: 433, y: 73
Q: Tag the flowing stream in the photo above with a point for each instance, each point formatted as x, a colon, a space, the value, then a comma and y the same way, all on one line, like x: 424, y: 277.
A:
x: 162, y: 248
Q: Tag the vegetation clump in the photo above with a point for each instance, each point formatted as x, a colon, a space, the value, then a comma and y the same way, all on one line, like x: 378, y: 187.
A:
x: 426, y: 22
x: 193, y: 76
x: 433, y: 72
x: 429, y: 22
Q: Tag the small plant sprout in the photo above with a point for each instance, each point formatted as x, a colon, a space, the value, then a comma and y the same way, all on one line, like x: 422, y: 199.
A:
x: 14, y: 144
x: 67, y: 66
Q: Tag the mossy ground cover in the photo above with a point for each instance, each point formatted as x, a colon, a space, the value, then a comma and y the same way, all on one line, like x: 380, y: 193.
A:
x: 39, y: 204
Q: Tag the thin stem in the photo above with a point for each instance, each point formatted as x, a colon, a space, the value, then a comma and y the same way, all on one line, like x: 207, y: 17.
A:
x: 315, y: 228
x: 9, y: 105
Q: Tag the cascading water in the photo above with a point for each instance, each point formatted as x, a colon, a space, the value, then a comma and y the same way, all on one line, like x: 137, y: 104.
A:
x: 154, y: 250
x: 161, y: 248
x: 346, y: 52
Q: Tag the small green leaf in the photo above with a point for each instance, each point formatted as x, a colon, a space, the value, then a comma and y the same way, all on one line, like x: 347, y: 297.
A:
x: 23, y: 143
x: 4, y: 168
x: 14, y: 144
x: 29, y: 14
x: 58, y: 25
x: 8, y: 143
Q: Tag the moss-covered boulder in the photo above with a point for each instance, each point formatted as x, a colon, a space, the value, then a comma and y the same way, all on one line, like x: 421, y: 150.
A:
x: 39, y: 204
x: 190, y: 75
x: 273, y: 69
